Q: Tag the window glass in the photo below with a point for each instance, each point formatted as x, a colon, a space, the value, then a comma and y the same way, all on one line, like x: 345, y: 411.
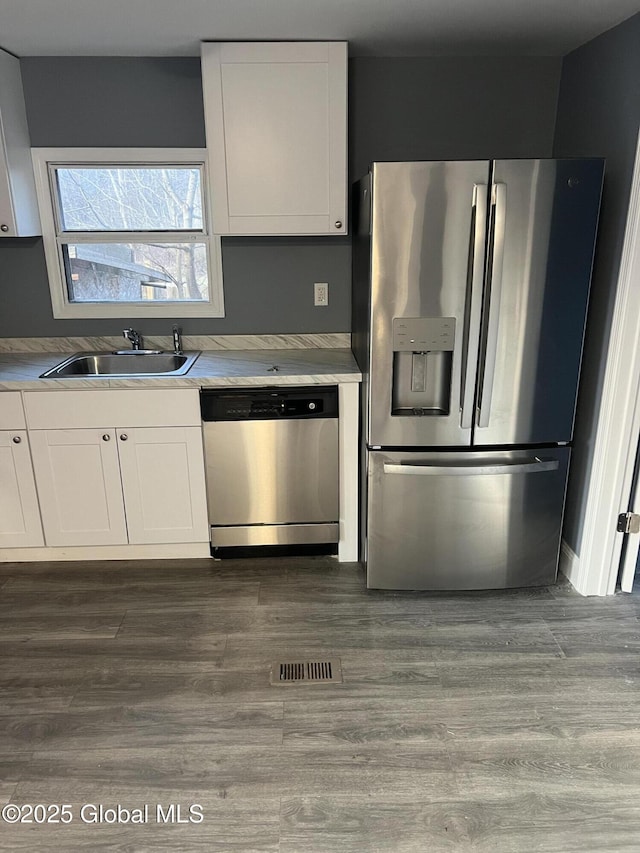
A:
x: 129, y: 198
x: 126, y: 232
x: 132, y: 272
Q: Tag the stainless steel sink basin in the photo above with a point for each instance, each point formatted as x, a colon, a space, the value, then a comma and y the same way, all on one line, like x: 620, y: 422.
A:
x: 120, y: 364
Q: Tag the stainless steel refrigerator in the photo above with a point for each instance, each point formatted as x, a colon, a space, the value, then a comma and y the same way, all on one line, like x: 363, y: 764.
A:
x: 471, y: 283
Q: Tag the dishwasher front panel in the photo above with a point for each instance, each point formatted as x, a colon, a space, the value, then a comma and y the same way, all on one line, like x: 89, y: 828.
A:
x: 272, y: 472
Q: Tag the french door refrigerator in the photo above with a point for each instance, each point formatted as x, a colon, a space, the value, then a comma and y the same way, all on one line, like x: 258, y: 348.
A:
x: 471, y: 282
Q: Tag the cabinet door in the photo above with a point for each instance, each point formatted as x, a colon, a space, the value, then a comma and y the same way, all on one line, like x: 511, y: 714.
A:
x: 18, y: 205
x: 163, y: 483
x: 19, y: 514
x: 78, y: 478
x: 276, y: 125
x: 8, y: 226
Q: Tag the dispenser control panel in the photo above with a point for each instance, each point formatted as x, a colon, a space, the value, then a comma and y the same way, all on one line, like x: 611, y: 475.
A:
x: 423, y: 334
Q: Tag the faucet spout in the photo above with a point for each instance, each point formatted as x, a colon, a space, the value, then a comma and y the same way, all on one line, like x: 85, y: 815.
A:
x: 134, y: 337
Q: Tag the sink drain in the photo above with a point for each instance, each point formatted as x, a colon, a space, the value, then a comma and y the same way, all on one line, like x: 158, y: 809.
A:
x: 309, y: 672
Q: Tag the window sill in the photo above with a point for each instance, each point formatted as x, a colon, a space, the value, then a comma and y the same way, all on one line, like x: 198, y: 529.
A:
x: 127, y: 310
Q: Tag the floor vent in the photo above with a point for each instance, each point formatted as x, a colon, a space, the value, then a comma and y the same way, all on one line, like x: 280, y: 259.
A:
x: 309, y: 672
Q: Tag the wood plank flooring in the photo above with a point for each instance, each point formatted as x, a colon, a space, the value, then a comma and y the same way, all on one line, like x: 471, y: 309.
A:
x: 505, y: 722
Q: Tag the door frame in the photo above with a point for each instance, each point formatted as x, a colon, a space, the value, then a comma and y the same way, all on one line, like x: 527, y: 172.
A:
x: 595, y: 570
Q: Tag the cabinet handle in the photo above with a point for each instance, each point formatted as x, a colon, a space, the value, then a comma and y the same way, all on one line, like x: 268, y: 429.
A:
x: 338, y: 224
x: 4, y: 228
x: 123, y: 436
x: 16, y: 439
x: 106, y: 437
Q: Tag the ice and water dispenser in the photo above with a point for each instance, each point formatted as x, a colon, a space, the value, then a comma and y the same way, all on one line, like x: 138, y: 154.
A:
x: 422, y: 359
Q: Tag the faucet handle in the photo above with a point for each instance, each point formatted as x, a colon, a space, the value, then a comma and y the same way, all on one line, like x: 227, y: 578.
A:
x: 177, y: 340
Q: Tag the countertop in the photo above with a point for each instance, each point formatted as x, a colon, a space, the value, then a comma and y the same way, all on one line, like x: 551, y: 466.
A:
x: 21, y: 370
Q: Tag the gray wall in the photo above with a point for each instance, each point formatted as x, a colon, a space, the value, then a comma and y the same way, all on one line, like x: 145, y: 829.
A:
x: 599, y: 115
x: 415, y: 108
x: 451, y: 108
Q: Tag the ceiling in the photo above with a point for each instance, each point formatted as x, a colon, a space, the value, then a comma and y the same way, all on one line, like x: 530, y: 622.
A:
x: 372, y: 27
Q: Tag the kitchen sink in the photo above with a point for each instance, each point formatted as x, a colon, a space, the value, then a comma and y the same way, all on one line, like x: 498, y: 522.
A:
x: 122, y: 363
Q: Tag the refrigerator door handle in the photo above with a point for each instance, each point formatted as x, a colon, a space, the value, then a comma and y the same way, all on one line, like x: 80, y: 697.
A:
x: 476, y: 281
x: 498, y: 215
x: 535, y: 466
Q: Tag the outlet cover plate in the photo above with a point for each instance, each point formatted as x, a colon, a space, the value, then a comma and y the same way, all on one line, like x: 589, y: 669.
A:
x: 320, y: 293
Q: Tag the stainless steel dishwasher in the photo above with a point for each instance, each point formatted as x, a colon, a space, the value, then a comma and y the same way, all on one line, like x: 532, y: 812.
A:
x: 271, y: 459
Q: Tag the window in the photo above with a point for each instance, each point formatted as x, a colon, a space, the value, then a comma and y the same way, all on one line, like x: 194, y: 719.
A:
x: 126, y: 233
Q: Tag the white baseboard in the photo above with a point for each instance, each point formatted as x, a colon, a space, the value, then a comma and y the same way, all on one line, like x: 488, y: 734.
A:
x: 570, y: 565
x: 187, y: 550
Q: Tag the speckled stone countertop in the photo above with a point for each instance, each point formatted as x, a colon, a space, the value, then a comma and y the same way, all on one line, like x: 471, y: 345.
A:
x: 252, y: 367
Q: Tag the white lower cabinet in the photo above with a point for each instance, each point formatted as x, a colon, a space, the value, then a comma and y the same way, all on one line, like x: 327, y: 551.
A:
x: 103, y: 484
x: 78, y: 477
x: 122, y: 485
x: 163, y: 484
x: 19, y: 514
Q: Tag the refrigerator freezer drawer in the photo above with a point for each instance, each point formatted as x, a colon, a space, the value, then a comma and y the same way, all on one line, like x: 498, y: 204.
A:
x: 463, y: 521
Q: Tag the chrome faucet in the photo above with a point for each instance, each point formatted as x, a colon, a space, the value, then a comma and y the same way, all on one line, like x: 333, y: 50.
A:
x: 177, y: 340
x: 134, y: 337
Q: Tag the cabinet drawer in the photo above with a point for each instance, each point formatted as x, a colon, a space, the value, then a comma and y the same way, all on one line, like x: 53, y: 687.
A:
x: 11, y: 411
x: 88, y: 408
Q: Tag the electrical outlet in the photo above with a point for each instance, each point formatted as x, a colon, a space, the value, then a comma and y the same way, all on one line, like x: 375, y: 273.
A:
x: 321, y: 293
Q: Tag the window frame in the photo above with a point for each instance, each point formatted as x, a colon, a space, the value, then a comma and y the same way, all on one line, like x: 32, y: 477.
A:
x: 45, y: 160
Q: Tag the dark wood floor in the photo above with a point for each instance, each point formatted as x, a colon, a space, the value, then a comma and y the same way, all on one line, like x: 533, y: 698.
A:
x: 502, y: 722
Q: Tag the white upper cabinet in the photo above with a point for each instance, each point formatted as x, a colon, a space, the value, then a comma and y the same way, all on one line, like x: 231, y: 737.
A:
x: 18, y: 205
x: 276, y: 126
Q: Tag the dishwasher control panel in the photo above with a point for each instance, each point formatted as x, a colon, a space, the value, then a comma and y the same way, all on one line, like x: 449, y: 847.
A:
x: 269, y: 403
